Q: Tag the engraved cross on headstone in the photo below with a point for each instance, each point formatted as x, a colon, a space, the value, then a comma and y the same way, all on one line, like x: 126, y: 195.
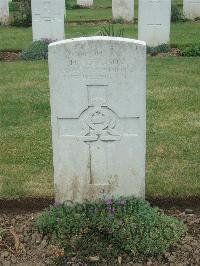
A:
x: 98, y: 126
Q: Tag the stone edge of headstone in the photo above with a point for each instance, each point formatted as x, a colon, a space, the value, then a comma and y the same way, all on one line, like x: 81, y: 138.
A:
x: 100, y: 38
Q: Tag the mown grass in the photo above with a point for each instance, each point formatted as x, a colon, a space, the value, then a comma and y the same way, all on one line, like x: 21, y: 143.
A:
x: 172, y: 139
x: 101, y: 10
x: 182, y: 34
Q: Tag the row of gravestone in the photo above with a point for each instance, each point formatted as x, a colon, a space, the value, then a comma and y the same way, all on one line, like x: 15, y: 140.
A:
x: 153, y: 18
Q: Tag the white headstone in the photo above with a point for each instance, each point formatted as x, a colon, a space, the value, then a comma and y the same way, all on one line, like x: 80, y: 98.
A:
x: 85, y: 2
x: 123, y: 9
x: 48, y: 19
x: 154, y: 20
x: 4, y: 11
x: 191, y: 8
x: 98, y: 91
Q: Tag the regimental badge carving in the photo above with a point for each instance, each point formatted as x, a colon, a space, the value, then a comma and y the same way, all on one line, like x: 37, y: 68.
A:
x: 98, y: 121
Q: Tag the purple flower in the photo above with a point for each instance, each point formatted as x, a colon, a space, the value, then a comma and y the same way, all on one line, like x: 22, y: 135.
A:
x: 111, y: 210
x: 109, y: 202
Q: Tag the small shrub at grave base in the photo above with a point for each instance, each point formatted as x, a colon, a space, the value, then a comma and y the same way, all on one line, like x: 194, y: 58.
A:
x: 191, y: 51
x: 37, y: 51
x: 22, y: 16
x: 176, y: 14
x: 119, y: 20
x: 110, y: 31
x: 162, y: 48
x: 109, y: 228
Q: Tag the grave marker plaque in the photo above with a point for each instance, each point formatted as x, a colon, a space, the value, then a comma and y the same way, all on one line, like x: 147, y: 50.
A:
x: 85, y: 3
x: 154, y: 20
x: 4, y: 11
x: 123, y: 9
x: 48, y: 19
x: 98, y: 90
x: 191, y: 8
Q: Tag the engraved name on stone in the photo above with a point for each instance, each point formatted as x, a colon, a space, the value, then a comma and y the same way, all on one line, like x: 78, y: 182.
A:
x: 48, y: 19
x: 154, y: 21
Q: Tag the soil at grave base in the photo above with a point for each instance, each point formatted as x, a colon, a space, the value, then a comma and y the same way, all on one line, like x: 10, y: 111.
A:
x: 23, y: 245
x: 174, y: 52
x: 10, y: 56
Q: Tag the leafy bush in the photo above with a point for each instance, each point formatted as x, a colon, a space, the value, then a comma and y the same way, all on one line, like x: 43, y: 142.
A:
x: 11, y: 6
x: 71, y: 5
x: 38, y: 50
x: 162, y: 48
x: 119, y: 20
x: 110, y: 31
x: 193, y: 50
x: 22, y: 13
x: 176, y: 14
x: 110, y: 227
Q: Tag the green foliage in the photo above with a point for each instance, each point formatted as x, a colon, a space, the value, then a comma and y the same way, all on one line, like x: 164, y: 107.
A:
x: 11, y: 6
x: 38, y: 50
x: 162, y: 48
x: 193, y: 50
x: 71, y: 5
x: 22, y: 13
x: 119, y: 20
x: 176, y: 14
x: 110, y: 31
x: 2, y: 233
x: 113, y: 226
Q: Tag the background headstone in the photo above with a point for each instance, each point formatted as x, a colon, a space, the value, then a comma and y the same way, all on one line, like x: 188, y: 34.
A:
x: 191, y: 8
x: 154, y: 20
x: 4, y: 11
x: 48, y: 19
x: 98, y: 99
x: 123, y: 9
x: 85, y: 2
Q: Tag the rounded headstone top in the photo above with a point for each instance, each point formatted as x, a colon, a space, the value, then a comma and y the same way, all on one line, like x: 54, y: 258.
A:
x: 98, y: 38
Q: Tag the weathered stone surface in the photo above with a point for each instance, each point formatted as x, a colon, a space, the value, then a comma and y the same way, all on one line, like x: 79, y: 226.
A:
x: 123, y: 9
x: 98, y: 91
x: 154, y: 21
x: 48, y: 19
x: 85, y: 2
x: 4, y: 11
x: 191, y: 8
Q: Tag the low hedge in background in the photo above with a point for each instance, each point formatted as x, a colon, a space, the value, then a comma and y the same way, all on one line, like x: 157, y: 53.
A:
x: 37, y: 51
x: 176, y: 14
x: 193, y: 50
x: 22, y: 16
x: 109, y: 228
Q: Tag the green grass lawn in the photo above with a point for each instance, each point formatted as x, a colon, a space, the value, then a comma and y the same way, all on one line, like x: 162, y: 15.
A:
x: 172, y: 138
x: 102, y: 9
x: 12, y: 38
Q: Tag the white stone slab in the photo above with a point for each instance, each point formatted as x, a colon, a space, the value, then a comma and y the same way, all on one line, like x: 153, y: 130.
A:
x: 4, y: 11
x: 98, y: 98
x: 191, y: 8
x: 154, y: 20
x: 48, y: 19
x: 85, y: 2
x: 123, y: 9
